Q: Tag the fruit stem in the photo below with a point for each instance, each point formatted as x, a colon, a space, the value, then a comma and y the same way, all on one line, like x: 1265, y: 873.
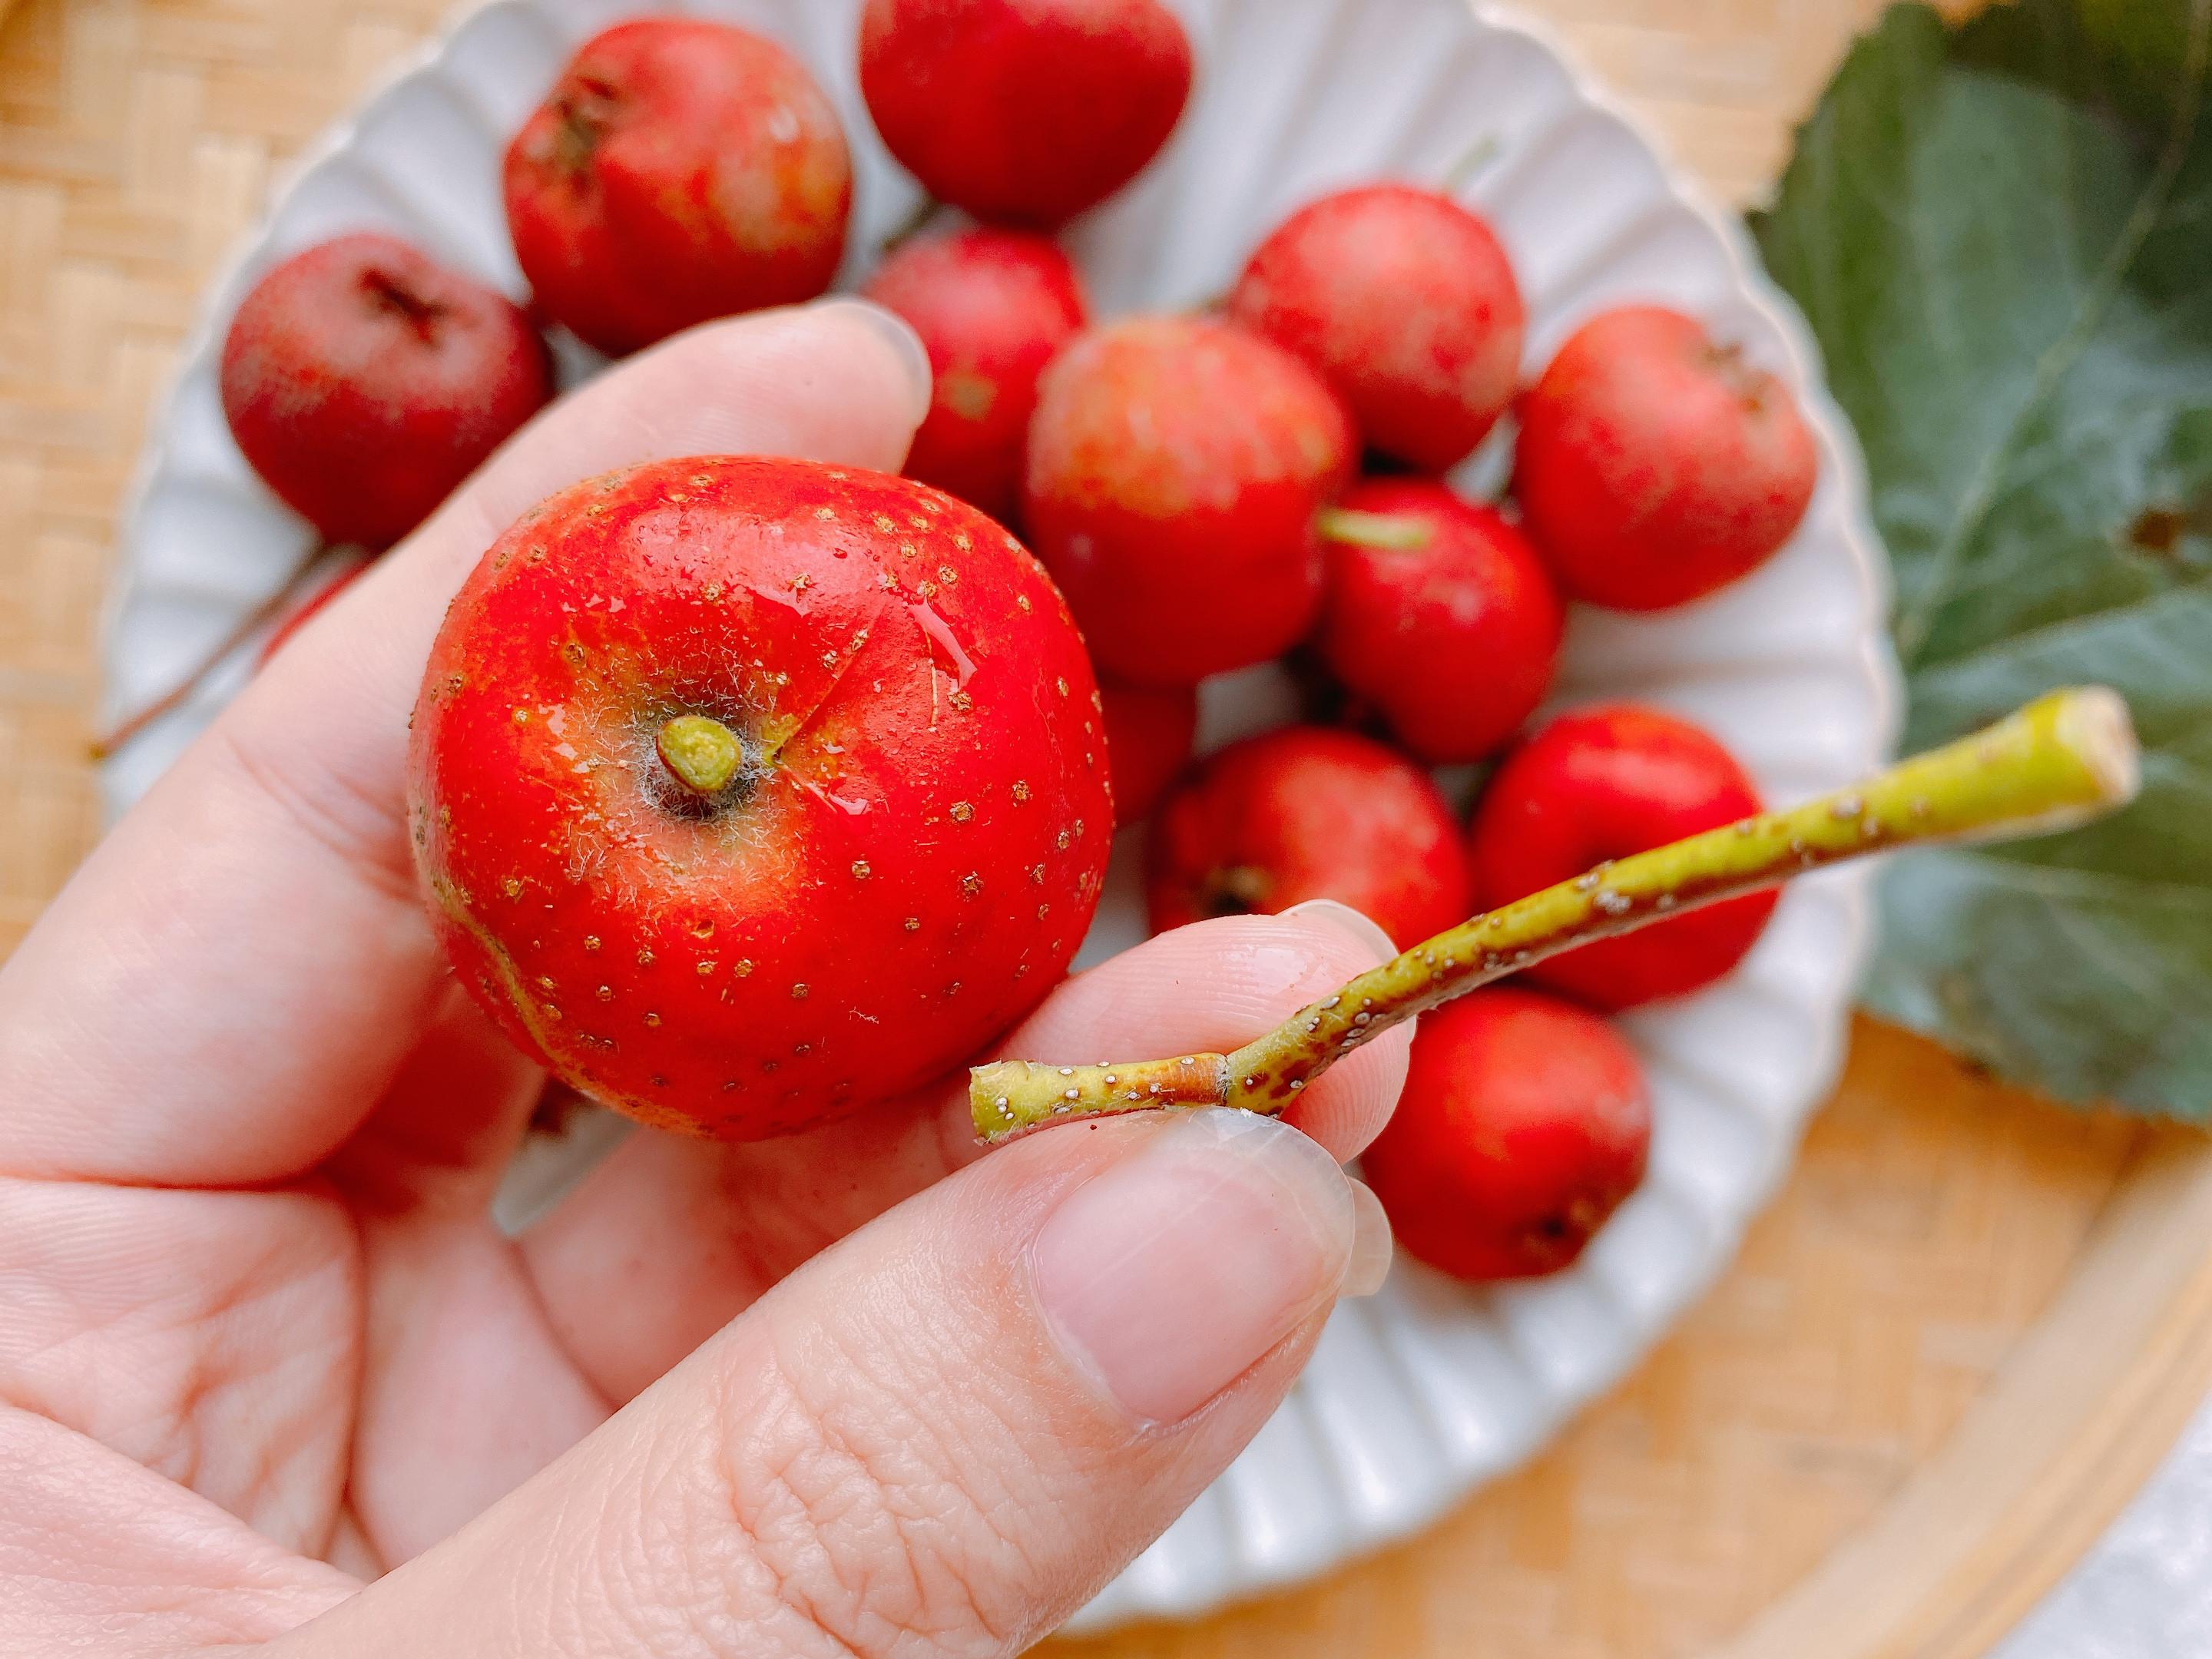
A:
x: 701, y: 753
x: 2065, y: 759
x: 1397, y: 532
x: 277, y: 601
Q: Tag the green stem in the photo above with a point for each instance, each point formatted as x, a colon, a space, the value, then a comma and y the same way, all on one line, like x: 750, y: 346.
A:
x: 2065, y: 758
x: 1397, y: 532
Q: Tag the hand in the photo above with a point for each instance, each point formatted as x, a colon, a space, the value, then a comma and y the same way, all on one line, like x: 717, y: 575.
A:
x: 269, y: 1375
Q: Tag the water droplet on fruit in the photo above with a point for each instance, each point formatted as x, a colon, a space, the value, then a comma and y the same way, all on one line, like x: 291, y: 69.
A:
x: 1022, y: 603
x: 953, y: 989
x: 522, y: 717
x: 1061, y: 840
x: 743, y: 967
x: 799, y: 992
x: 653, y: 1019
x: 706, y: 968
x: 970, y: 884
x: 1073, y: 1094
x: 545, y: 983
x: 1059, y: 685
x: 860, y: 869
x: 913, y: 924
x: 1021, y: 791
x: 963, y: 811
x: 802, y: 1049
x: 605, y: 994
x: 1021, y: 971
x: 552, y: 1013
x: 1067, y: 1070
x: 645, y: 958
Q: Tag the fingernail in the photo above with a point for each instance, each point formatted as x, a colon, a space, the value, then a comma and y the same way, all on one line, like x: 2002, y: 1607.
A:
x: 1346, y: 920
x: 1168, y: 1276
x: 1371, y: 1249
x: 896, y: 332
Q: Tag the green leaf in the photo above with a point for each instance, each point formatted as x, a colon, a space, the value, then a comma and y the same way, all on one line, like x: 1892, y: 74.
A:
x: 2002, y: 237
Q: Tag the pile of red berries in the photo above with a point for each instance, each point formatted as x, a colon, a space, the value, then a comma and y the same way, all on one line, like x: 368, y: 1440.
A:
x: 1209, y: 491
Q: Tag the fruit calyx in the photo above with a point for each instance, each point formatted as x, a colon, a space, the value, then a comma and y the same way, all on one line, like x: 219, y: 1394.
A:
x: 390, y: 293
x: 2065, y: 759
x: 702, y: 755
x: 1393, y: 532
x: 584, y: 116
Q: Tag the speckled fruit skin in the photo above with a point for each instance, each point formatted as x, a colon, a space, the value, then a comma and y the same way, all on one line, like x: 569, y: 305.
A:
x: 1407, y: 302
x: 909, y: 859
x: 679, y: 172
x: 1523, y: 1124
x: 1654, y: 466
x: 1175, y: 465
x: 1149, y: 731
x: 992, y: 307
x: 1453, y: 642
x: 1304, y: 813
x: 1025, y: 111
x: 1601, y: 783
x: 364, y: 381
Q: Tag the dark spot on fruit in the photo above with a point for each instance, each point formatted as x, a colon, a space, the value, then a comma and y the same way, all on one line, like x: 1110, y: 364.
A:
x: 1238, y: 890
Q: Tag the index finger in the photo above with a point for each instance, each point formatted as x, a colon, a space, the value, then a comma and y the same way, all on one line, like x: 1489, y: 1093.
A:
x: 226, y: 984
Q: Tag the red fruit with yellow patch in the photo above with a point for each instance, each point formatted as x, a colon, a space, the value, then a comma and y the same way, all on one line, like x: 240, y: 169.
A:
x: 1306, y: 812
x: 679, y: 171
x: 749, y: 791
x: 992, y: 307
x: 1523, y: 1124
x: 1175, y: 467
x: 1654, y: 465
x: 1405, y: 302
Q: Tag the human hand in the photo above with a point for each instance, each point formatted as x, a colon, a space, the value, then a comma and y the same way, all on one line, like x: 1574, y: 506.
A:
x: 269, y: 1375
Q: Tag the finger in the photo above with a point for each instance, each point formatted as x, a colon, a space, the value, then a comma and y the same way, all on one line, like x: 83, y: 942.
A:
x: 670, y: 1239
x: 264, y: 887
x: 938, y: 1439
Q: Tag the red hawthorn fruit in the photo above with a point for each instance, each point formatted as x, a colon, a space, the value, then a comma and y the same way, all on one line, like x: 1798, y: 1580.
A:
x: 1304, y: 813
x: 679, y: 171
x: 364, y: 381
x: 1439, y: 614
x: 1149, y: 732
x: 1654, y: 466
x: 1025, y: 111
x: 1175, y: 466
x: 1523, y: 1124
x: 308, y: 609
x: 1405, y: 302
x: 1601, y: 783
x: 749, y: 791
x: 992, y: 307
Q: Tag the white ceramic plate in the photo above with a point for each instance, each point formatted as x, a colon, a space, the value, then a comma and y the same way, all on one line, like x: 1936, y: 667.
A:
x: 1420, y: 1394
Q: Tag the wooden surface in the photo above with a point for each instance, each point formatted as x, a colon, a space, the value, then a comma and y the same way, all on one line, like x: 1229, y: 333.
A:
x: 1967, y: 1328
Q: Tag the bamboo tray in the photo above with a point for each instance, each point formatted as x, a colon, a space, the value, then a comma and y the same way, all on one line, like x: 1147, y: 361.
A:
x: 1962, y: 1336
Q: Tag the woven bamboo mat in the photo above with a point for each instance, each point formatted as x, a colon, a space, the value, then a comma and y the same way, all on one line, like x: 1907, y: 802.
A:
x: 1933, y: 1277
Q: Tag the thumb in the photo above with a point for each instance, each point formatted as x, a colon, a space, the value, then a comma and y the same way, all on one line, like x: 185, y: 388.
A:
x: 939, y: 1437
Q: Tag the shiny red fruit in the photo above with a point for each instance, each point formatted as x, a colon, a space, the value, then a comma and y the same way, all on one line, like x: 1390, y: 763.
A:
x: 679, y: 172
x: 896, y: 858
x: 1023, y: 111
x: 1149, y: 730
x: 1308, y: 813
x: 1599, y: 784
x: 1655, y: 466
x: 1523, y: 1124
x: 1175, y: 465
x: 1407, y: 302
x: 992, y: 307
x: 1439, y: 615
x: 364, y: 381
